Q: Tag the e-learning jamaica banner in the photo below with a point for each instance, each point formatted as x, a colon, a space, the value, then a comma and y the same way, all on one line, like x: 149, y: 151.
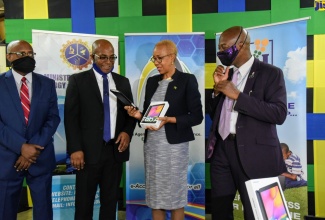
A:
x: 59, y: 55
x: 190, y: 59
x: 284, y: 45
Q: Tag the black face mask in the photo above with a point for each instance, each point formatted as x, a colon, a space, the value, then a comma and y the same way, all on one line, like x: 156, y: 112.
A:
x: 25, y: 64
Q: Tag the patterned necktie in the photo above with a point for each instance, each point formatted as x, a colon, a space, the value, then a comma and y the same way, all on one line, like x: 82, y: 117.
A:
x: 24, y: 99
x: 212, y: 136
x: 224, y: 123
x: 107, y: 123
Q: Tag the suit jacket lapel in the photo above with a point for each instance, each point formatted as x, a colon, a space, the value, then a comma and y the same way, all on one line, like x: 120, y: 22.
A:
x: 94, y: 85
x: 251, y: 77
x: 12, y: 88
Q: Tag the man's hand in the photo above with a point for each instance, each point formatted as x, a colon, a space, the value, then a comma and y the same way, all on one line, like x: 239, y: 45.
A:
x: 31, y: 152
x: 229, y: 89
x: 77, y: 160
x: 133, y: 112
x: 22, y: 164
x: 124, y: 140
x: 220, y: 74
x: 221, y: 84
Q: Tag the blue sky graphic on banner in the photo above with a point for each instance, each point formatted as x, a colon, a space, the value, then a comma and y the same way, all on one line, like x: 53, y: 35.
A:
x: 284, y: 45
x: 138, y: 50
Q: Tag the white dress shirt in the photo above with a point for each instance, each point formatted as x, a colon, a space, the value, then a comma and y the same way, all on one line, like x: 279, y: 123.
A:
x: 241, y: 82
x: 29, y: 81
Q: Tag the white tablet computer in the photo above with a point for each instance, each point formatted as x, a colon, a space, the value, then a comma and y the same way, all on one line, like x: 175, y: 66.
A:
x: 155, y: 110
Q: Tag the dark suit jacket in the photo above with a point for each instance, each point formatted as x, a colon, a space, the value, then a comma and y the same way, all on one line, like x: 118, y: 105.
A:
x: 261, y: 106
x: 184, y: 103
x: 84, y: 116
x: 43, y: 122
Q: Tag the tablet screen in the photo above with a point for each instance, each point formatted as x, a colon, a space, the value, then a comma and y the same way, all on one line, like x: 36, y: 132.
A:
x: 271, y: 203
x: 152, y: 113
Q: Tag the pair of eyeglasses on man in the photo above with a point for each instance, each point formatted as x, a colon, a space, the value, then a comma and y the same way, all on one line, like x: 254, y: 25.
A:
x: 23, y: 54
x: 103, y: 57
x: 159, y: 59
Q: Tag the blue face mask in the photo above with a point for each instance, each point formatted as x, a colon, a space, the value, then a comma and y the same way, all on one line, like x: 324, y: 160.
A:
x: 228, y: 56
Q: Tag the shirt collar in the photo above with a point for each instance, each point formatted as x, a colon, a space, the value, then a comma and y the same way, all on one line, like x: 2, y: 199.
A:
x: 18, y: 77
x: 245, y: 68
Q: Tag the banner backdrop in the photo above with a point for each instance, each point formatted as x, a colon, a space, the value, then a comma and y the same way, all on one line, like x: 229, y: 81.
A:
x: 59, y: 55
x: 190, y: 59
x: 284, y: 45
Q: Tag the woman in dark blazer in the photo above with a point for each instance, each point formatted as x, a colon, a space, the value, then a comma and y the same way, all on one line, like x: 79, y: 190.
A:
x: 166, y: 150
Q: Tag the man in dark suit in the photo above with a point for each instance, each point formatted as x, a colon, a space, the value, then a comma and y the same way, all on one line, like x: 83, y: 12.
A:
x: 246, y: 107
x: 97, y: 151
x: 29, y: 117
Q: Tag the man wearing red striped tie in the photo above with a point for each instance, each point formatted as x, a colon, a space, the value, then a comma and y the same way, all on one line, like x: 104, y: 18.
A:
x: 29, y: 117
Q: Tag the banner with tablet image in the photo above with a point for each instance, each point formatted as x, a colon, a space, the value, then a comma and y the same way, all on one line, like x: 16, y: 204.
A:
x: 190, y: 59
x: 284, y: 45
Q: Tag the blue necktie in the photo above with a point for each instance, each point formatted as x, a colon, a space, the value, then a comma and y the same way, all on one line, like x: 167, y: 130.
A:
x: 107, y: 124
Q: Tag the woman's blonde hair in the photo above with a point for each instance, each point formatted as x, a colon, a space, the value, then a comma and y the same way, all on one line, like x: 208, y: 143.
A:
x: 170, y: 45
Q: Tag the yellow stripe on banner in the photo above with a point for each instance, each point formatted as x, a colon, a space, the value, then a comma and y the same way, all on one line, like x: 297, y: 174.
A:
x: 319, y: 104
x: 319, y: 44
x: 36, y: 9
x: 179, y: 15
x: 319, y: 76
x: 310, y: 74
x: 209, y: 69
x: 319, y: 154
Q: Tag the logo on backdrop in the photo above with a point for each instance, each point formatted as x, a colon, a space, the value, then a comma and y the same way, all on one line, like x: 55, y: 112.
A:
x: 76, y: 54
x: 264, y: 50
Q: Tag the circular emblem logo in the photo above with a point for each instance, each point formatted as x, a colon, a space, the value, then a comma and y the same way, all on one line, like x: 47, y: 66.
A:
x: 76, y: 54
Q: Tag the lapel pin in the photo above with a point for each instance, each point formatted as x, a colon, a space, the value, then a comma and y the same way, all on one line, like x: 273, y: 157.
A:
x: 252, y: 75
x: 175, y: 87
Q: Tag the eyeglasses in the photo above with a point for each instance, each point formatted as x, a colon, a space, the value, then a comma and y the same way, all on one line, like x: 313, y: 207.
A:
x: 111, y: 58
x: 23, y: 54
x: 159, y: 59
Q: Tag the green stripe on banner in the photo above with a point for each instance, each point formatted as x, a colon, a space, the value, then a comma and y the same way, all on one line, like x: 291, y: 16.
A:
x: 26, y: 25
x: 310, y: 178
x: 83, y: 16
x: 129, y: 8
x: 207, y: 22
x: 120, y: 26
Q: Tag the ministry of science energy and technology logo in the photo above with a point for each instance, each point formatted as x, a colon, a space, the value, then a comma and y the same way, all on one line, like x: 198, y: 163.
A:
x: 263, y: 50
x: 76, y: 54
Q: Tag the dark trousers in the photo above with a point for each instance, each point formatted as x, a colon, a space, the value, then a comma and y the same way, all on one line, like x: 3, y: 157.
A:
x: 107, y: 175
x: 40, y: 188
x: 228, y: 176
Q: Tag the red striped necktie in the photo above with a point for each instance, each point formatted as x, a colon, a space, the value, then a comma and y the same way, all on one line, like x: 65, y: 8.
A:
x: 24, y: 98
